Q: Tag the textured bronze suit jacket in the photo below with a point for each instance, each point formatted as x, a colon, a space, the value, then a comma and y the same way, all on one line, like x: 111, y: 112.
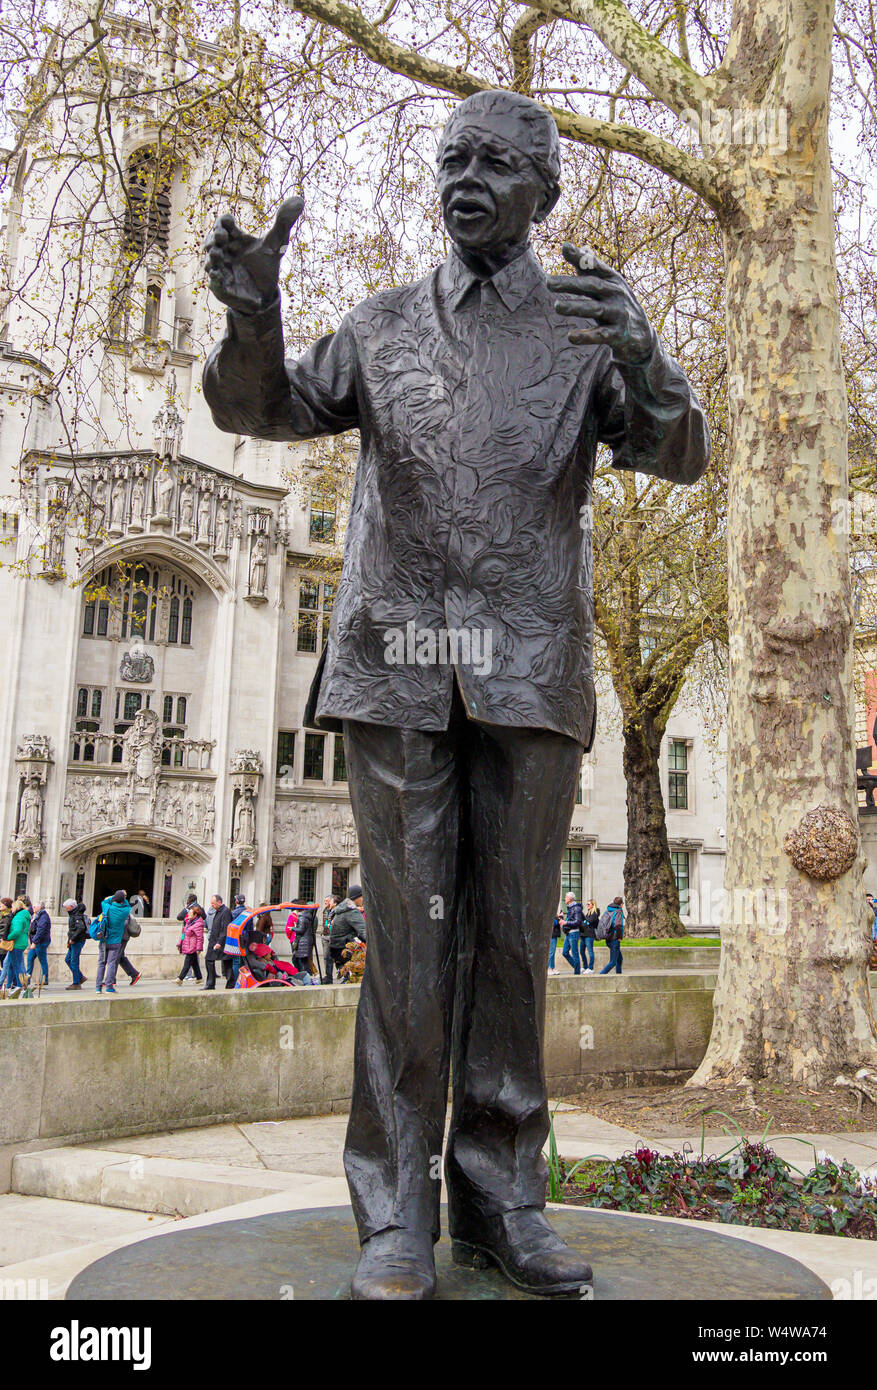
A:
x: 479, y: 423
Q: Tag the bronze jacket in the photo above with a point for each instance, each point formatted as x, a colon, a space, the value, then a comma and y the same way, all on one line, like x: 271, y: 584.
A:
x: 468, y: 547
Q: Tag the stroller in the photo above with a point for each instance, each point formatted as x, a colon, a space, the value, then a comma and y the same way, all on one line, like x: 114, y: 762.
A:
x: 260, y: 966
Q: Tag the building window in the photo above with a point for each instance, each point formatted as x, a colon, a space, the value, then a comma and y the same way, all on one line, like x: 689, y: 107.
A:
x: 323, y: 508
x: 307, y: 883
x: 147, y: 204
x: 180, y: 606
x: 96, y: 618
x: 173, y: 730
x: 152, y: 310
x: 20, y: 884
x: 315, y: 748
x: 339, y: 761
x: 679, y: 858
x: 340, y: 880
x: 88, y: 702
x: 285, y: 753
x: 277, y: 883
x: 315, y: 599
x: 571, y: 873
x: 166, y: 895
x: 579, y: 792
x: 677, y: 762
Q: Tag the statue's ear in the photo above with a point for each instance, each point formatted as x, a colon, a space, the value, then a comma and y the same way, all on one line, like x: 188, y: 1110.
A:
x: 547, y: 203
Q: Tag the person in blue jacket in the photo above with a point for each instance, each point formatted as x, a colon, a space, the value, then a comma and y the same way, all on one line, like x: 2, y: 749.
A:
x: 40, y: 936
x: 614, y: 936
x: 575, y: 917
x: 115, y: 911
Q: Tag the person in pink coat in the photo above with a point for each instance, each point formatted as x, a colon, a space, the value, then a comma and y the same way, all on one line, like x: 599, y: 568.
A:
x: 192, y: 943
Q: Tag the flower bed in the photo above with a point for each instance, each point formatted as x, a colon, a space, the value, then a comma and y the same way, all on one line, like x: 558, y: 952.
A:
x: 751, y: 1186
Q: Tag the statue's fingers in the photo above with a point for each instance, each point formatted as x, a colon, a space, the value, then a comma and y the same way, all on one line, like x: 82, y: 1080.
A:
x: 583, y: 259
x: 288, y: 213
x: 586, y: 308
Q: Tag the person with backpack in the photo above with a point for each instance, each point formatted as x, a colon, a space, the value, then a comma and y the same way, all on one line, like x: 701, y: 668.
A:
x: 348, y: 925
x: 575, y: 916
x: 589, y: 928
x: 77, y: 935
x: 110, y: 931
x: 15, y: 927
x: 611, y: 924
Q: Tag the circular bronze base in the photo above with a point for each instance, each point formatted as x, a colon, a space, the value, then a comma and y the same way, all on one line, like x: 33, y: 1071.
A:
x: 312, y: 1255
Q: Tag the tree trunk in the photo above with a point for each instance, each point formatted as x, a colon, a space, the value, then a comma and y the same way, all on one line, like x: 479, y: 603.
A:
x: 792, y: 1000
x: 651, y: 899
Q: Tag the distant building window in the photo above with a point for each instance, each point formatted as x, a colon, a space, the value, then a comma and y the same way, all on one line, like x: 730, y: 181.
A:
x: 323, y: 510
x: 152, y: 310
x: 315, y: 599
x: 571, y: 873
x: 307, y: 883
x: 133, y: 701
x: 677, y: 762
x: 180, y: 609
x: 339, y: 761
x: 276, y: 883
x: 314, y: 751
x: 285, y: 753
x: 147, y: 204
x: 681, y: 872
x: 340, y: 880
x: 168, y: 709
x: 139, y: 602
x: 186, y: 628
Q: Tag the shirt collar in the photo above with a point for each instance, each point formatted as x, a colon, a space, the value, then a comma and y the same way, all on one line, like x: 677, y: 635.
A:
x: 514, y: 283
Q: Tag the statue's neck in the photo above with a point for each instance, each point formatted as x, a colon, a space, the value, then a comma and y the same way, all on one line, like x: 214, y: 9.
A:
x: 488, y: 262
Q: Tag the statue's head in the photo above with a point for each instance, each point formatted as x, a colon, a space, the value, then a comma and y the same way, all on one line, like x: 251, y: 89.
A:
x: 498, y: 169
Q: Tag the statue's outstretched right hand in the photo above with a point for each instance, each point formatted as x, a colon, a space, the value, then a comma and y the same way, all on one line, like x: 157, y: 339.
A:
x: 242, y: 270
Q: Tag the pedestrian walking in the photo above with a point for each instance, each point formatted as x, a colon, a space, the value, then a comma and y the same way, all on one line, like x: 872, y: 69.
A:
x: 589, y: 931
x: 556, y: 929
x: 575, y: 916
x: 348, y: 924
x: 613, y: 921
x: 192, y: 943
x: 14, y: 926
x: 303, y: 945
x: 234, y: 949
x: 77, y: 935
x: 217, y: 920
x: 115, y: 912
x: 40, y: 938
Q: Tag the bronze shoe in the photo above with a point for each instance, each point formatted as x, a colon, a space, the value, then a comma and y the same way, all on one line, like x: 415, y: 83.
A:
x: 526, y: 1248
x: 395, y: 1264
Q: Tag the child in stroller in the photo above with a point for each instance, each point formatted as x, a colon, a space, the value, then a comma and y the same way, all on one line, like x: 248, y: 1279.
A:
x: 263, y: 964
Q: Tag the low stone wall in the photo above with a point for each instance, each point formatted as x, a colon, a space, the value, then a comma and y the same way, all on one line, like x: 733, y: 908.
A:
x: 80, y: 1069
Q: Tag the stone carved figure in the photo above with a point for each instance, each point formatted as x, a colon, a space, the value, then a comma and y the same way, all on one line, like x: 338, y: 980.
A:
x: 259, y: 567
x: 208, y: 828
x: 164, y: 493
x: 506, y: 539
x: 30, y: 818
x: 187, y: 507
x: 244, y: 832
x: 222, y: 525
x: 143, y: 745
x: 204, y: 517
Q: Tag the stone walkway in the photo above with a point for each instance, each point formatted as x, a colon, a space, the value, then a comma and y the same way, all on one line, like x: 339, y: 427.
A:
x: 73, y: 1205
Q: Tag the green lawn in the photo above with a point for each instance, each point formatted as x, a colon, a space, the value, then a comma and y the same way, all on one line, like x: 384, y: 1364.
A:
x: 632, y: 941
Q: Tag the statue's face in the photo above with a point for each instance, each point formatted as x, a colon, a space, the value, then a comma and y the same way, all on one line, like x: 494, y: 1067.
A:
x: 490, y: 191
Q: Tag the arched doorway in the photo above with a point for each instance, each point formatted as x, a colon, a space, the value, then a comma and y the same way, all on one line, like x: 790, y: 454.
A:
x: 126, y: 869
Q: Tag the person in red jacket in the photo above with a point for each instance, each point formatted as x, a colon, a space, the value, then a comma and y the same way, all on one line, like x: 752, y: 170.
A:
x: 192, y: 942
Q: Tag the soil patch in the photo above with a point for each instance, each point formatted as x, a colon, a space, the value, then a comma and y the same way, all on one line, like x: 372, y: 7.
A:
x: 659, y: 1111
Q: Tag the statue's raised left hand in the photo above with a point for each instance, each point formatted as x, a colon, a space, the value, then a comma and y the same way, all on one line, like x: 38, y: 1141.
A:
x: 603, y: 297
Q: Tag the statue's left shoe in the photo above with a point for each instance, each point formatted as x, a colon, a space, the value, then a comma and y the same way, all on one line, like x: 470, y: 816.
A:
x: 525, y: 1247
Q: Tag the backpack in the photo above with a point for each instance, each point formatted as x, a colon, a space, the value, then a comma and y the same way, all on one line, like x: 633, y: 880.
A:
x: 603, y: 925
x: 98, y: 928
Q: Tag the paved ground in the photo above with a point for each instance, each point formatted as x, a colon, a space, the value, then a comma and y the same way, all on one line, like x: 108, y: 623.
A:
x: 227, y: 1171
x: 635, y: 962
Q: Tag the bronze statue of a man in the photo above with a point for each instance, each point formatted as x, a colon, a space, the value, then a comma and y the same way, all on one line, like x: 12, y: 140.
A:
x: 480, y: 394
